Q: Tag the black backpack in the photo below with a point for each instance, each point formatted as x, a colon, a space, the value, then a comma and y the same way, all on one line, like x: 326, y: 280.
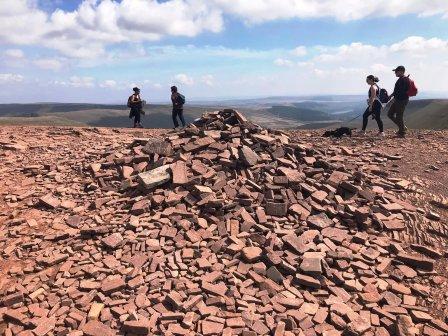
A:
x: 383, y: 96
x: 181, y: 99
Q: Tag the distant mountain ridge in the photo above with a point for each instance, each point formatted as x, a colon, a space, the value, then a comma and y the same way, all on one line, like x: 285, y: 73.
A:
x: 424, y: 113
x: 299, y: 113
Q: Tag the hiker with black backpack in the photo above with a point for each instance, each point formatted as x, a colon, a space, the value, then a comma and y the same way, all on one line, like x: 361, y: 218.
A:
x: 178, y: 101
x: 135, y: 103
x: 404, y: 88
x: 375, y: 102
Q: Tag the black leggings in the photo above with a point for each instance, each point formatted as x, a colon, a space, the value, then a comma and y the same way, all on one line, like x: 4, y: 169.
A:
x: 176, y: 113
x: 376, y: 112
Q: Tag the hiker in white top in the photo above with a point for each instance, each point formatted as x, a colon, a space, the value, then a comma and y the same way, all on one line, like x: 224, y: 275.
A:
x: 136, y: 105
x: 374, y: 105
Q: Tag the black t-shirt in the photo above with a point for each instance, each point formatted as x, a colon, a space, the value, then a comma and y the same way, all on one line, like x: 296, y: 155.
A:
x: 401, y: 88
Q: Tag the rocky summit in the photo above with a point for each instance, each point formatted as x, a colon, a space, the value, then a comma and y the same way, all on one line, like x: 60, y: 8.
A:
x: 222, y: 228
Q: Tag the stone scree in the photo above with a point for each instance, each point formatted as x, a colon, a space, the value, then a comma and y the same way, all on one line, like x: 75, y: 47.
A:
x: 231, y: 229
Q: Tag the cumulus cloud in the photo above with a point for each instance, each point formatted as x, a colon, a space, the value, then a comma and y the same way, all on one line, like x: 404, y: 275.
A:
x: 13, y: 58
x: 97, y: 24
x: 208, y: 80
x: 283, y: 62
x: 184, y: 79
x: 10, y: 78
x: 152, y: 85
x: 85, y: 32
x: 80, y: 82
x: 109, y: 83
x: 343, y: 69
x: 48, y: 63
x: 267, y: 10
x: 325, y: 69
x: 14, y: 53
x: 419, y: 44
x: 299, y: 51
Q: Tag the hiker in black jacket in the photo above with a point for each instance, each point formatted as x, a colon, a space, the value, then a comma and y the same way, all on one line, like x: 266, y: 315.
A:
x: 178, y: 107
x: 136, y: 105
x: 401, y: 100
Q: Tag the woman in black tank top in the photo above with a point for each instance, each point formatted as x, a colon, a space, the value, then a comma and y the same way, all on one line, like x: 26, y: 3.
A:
x: 374, y: 105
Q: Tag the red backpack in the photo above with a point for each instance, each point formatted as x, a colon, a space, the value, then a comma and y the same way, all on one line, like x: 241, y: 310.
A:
x: 412, y: 90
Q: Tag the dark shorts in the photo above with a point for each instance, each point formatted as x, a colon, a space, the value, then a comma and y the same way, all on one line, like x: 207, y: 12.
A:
x: 135, y: 113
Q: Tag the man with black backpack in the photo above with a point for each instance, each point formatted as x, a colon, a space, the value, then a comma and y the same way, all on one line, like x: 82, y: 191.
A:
x: 404, y: 88
x: 178, y: 106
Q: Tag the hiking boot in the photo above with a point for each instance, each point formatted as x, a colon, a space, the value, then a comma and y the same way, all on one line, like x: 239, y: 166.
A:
x: 362, y: 132
x: 405, y: 130
x: 381, y: 134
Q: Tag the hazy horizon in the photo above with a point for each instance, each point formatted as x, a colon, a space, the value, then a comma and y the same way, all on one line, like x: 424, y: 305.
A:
x: 205, y: 100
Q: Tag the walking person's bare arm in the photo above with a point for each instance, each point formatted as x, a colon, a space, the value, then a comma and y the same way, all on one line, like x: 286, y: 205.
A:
x: 372, y: 97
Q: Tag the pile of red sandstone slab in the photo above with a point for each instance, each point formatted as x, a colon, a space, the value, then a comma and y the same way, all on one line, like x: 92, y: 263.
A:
x: 225, y: 228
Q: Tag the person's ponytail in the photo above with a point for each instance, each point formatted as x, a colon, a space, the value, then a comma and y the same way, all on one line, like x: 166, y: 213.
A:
x: 373, y: 78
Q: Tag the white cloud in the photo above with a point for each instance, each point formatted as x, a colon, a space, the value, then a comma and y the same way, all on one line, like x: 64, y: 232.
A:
x: 419, y: 44
x: 343, y: 69
x: 208, y: 80
x: 6, y: 78
x: 343, y: 10
x: 380, y: 68
x: 81, y: 82
x: 324, y: 70
x: 320, y: 73
x: 184, y: 79
x: 299, y: 51
x: 163, y: 51
x: 152, y: 85
x: 283, y: 62
x: 95, y: 25
x: 85, y: 32
x: 14, y: 53
x: 48, y: 63
x: 109, y: 83
x: 353, y: 50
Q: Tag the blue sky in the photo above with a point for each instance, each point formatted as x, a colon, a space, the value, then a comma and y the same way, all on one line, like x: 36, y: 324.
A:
x: 90, y: 51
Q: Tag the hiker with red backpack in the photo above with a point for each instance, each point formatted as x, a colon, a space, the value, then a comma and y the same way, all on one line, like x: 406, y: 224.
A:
x: 404, y: 88
x: 377, y: 97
